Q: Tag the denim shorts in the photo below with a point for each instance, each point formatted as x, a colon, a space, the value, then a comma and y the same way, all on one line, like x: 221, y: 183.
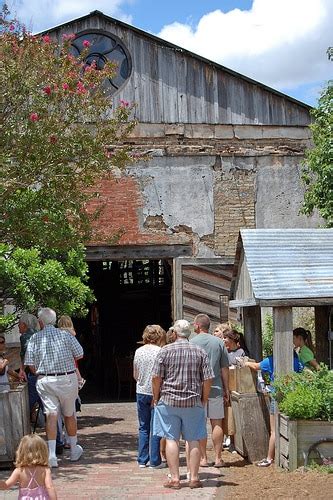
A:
x: 171, y: 422
x: 272, y: 406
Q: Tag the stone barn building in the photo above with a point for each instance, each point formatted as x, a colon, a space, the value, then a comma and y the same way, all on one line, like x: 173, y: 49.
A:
x: 225, y: 153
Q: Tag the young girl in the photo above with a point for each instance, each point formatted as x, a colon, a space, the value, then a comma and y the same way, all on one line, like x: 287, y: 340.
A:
x: 32, y: 472
x: 302, y: 339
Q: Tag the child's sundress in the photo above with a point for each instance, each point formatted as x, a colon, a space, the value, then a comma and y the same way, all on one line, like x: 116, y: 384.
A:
x: 37, y: 493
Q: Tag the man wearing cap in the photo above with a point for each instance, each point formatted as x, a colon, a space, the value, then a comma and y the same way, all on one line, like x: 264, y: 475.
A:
x: 219, y: 392
x: 182, y: 377
x: 50, y: 354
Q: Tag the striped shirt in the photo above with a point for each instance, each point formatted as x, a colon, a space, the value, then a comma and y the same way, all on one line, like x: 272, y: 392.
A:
x: 52, y: 350
x: 183, y: 367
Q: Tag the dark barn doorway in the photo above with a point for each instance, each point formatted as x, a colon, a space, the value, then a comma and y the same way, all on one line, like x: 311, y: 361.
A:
x: 129, y: 294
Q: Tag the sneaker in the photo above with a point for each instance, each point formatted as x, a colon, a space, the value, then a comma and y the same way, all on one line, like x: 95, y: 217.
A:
x: 162, y: 465
x: 76, y: 453
x: 142, y: 466
x: 265, y: 463
x: 53, y: 462
x: 232, y: 449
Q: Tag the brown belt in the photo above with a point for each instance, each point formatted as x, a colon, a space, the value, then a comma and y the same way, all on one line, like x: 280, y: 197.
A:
x: 55, y: 374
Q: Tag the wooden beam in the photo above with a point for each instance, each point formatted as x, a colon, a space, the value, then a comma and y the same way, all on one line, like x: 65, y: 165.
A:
x: 177, y: 290
x: 296, y: 302
x: 252, y: 331
x: 322, y: 314
x: 283, y: 349
x: 139, y: 252
x: 243, y: 303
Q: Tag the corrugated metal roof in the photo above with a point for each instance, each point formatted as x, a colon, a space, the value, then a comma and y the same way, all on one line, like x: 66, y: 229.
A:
x: 289, y: 263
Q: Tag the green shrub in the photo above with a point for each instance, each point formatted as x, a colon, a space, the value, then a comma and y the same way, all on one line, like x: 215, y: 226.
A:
x: 304, y: 402
x: 306, y: 395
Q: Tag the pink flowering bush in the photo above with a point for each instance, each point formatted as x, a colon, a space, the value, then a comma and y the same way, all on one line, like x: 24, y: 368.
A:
x: 59, y: 121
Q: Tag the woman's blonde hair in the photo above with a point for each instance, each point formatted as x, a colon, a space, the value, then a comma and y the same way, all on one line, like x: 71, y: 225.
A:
x: 32, y: 450
x: 154, y: 334
x: 65, y: 322
x: 222, y: 327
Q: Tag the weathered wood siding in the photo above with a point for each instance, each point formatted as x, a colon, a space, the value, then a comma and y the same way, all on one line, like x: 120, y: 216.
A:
x: 295, y: 438
x: 252, y: 424
x: 171, y: 85
x: 14, y: 420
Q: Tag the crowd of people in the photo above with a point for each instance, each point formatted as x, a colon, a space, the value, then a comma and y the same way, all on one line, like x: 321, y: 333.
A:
x: 182, y: 379
x: 49, y: 357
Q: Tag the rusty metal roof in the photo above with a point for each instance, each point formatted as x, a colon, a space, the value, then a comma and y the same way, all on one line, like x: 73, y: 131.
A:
x: 281, y: 264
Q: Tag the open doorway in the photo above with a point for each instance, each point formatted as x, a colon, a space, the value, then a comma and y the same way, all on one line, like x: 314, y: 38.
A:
x: 130, y: 294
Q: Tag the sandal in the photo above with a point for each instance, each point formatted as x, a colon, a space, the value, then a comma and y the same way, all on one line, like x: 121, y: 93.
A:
x: 221, y: 464
x: 195, y: 484
x: 265, y: 463
x: 172, y: 485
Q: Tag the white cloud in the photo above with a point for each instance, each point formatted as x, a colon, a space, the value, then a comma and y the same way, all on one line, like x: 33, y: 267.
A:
x: 43, y: 14
x: 281, y: 43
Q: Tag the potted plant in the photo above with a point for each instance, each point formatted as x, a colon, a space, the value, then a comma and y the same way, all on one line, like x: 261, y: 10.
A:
x: 306, y: 412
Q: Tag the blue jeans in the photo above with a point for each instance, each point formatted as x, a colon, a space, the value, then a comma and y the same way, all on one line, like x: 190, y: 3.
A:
x: 146, y: 437
x: 33, y: 394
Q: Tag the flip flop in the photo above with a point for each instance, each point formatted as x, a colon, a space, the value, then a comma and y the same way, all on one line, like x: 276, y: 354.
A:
x: 207, y: 465
x: 219, y: 466
x: 172, y: 485
x: 195, y: 484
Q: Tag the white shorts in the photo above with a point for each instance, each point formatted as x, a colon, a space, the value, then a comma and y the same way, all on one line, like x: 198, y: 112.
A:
x: 58, y: 393
x: 215, y: 408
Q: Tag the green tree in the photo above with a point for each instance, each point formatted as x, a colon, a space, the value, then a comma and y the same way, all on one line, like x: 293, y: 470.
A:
x: 60, y: 135
x: 61, y: 138
x: 29, y: 281
x: 318, y: 169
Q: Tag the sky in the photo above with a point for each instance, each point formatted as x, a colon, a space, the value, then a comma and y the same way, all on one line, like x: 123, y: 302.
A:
x: 281, y: 43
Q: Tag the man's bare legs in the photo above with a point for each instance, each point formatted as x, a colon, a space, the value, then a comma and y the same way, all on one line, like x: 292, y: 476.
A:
x: 194, y: 459
x: 217, y: 438
x: 51, y: 426
x: 71, y: 425
x: 172, y: 456
x: 203, y: 452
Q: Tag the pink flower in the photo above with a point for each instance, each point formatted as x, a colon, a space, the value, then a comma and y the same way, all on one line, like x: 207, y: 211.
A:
x: 86, y: 43
x: 34, y: 117
x: 80, y: 88
x: 47, y: 90
x: 46, y: 39
x: 68, y: 37
x: 124, y: 104
x: 65, y: 86
x: 11, y: 27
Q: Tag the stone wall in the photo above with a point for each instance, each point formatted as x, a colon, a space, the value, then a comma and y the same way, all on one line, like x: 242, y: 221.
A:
x: 201, y: 183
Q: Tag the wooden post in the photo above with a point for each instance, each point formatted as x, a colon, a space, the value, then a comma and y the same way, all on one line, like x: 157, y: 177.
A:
x: 283, y: 349
x: 322, y: 326
x: 177, y: 290
x: 252, y: 331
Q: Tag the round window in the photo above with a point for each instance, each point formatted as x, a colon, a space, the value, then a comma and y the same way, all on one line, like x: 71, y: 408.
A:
x: 105, y: 47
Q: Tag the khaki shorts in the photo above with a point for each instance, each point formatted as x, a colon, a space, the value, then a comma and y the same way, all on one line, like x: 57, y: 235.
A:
x: 214, y: 408
x: 58, y: 393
